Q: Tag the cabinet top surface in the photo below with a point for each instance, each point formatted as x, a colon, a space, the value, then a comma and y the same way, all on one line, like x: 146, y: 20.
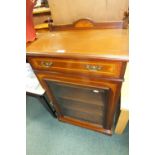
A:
x: 105, y: 43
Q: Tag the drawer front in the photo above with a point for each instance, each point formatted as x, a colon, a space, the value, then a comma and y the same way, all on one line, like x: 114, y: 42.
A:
x: 90, y: 67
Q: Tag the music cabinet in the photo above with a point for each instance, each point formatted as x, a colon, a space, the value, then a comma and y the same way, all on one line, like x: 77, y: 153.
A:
x: 82, y: 72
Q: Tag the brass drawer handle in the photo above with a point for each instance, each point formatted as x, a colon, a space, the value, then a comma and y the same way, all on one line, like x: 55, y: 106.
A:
x: 93, y: 67
x: 46, y: 63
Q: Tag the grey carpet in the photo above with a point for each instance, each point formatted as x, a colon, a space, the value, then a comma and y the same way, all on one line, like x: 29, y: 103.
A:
x: 48, y: 136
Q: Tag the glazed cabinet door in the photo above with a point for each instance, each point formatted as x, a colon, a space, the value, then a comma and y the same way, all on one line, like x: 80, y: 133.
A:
x: 82, y: 102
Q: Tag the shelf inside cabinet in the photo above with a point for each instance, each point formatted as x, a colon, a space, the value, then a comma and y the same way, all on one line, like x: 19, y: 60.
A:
x: 81, y: 107
x: 83, y: 116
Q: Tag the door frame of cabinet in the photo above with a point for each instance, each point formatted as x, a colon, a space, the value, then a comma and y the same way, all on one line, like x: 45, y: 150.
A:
x: 114, y: 93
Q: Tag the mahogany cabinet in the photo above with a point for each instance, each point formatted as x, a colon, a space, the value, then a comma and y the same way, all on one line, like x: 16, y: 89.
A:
x: 83, y: 81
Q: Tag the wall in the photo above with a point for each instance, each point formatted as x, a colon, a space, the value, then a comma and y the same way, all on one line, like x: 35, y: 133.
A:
x: 68, y: 11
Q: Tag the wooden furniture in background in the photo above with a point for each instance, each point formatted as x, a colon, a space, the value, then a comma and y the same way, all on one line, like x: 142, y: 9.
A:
x: 41, y: 17
x: 122, y: 121
x: 82, y: 72
x: 41, y: 10
x: 124, y: 108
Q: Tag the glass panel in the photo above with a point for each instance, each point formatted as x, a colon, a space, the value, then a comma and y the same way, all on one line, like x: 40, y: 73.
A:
x: 82, y: 103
